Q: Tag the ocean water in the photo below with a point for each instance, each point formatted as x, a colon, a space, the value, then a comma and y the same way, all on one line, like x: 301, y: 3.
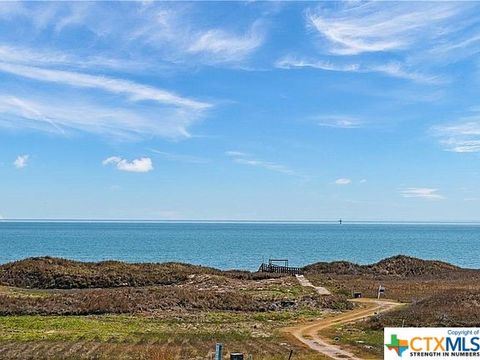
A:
x: 239, y: 245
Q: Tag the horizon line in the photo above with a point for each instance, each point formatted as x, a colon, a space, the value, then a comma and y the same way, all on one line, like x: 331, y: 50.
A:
x: 343, y: 221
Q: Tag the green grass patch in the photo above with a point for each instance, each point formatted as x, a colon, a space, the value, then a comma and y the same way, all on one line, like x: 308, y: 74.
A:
x: 109, y: 328
x: 361, y: 340
x: 218, y: 326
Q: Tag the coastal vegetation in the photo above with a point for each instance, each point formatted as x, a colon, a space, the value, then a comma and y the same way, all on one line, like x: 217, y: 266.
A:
x: 49, y: 307
x: 436, y: 294
x: 151, y: 311
x: 55, y: 273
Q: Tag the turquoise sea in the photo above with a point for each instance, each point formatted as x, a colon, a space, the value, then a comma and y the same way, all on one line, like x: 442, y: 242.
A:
x: 239, y: 245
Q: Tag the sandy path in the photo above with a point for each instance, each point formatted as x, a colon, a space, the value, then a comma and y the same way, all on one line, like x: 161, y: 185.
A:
x: 305, y: 282
x: 309, y: 335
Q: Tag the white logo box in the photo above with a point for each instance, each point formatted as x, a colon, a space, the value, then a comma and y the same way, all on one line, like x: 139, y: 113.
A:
x: 431, y: 343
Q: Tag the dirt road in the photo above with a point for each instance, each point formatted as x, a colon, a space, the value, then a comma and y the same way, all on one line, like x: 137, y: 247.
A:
x: 309, y: 333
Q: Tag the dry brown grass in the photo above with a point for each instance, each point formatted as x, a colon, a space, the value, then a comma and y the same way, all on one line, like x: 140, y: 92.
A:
x: 198, y: 293
x: 403, y: 290
x: 438, y: 294
x: 448, y: 308
x: 151, y: 300
x: 406, y: 279
x: 181, y: 320
x: 175, y: 295
x: 55, y: 273
x: 397, y: 266
x: 452, y: 307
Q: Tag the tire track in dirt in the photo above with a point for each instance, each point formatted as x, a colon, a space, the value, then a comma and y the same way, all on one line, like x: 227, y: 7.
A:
x: 308, y: 334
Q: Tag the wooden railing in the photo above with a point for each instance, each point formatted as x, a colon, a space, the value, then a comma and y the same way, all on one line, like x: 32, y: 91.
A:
x: 271, y: 268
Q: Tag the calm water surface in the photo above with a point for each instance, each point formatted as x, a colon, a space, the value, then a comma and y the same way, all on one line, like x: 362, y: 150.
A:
x: 239, y: 245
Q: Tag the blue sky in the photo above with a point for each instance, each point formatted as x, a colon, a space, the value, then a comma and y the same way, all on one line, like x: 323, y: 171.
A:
x: 245, y: 111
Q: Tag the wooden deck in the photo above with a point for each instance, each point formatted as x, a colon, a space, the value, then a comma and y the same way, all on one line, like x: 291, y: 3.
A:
x: 272, y: 268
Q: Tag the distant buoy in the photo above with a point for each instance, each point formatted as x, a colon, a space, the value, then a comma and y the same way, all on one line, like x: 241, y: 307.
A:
x: 340, y: 221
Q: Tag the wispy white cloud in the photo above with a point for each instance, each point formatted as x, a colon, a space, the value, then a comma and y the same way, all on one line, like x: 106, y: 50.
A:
x: 179, y: 38
x: 168, y: 34
x: 21, y: 161
x: 141, y: 165
x: 393, y: 69
x: 175, y: 34
x: 246, y: 159
x: 338, y: 121
x: 11, y: 8
x: 462, y: 136
x: 181, y: 157
x: 167, y: 114
x: 265, y: 165
x: 235, y: 153
x: 52, y: 15
x: 358, y: 28
x: 396, y: 39
x: 31, y: 56
x: 424, y: 193
x: 398, y: 70
x: 292, y: 62
x: 76, y: 15
x: 343, y: 181
x: 459, y: 145
x: 122, y: 122
x: 221, y: 46
x: 135, y: 91
x: 159, y: 112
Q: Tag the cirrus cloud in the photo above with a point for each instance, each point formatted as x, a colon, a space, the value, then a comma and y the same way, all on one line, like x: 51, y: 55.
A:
x: 370, y: 27
x: 392, y: 69
x: 423, y: 193
x: 399, y: 39
x: 462, y: 136
x: 134, y: 91
x: 338, y: 121
x: 243, y: 158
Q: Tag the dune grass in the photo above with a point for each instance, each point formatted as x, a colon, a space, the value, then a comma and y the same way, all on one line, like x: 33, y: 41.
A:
x: 181, y: 316
x: 181, y: 336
